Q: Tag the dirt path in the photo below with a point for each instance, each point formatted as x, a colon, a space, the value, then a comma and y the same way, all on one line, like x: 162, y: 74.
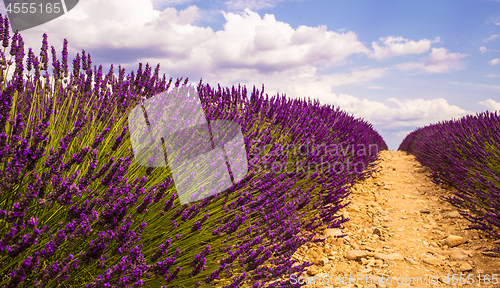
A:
x: 399, y: 228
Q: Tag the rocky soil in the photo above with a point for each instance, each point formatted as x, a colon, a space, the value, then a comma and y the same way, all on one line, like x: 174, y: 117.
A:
x: 400, y: 229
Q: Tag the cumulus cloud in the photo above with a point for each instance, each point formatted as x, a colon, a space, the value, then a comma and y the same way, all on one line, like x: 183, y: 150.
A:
x: 395, y: 113
x: 392, y: 118
x: 438, y: 61
x: 420, y: 111
x: 304, y: 82
x: 491, y: 104
x: 494, y: 62
x: 266, y: 45
x: 398, y: 46
x: 392, y: 114
x: 250, y: 47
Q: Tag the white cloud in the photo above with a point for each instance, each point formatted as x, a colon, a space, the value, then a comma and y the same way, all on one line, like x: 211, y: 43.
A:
x: 392, y: 114
x: 406, y: 113
x: 374, y: 87
x: 356, y: 76
x: 483, y: 49
x: 268, y: 47
x: 477, y: 85
x: 304, y: 82
x: 398, y: 46
x: 402, y: 134
x: 253, y: 5
x: 491, y: 76
x: 495, y: 20
x: 492, y: 105
x: 250, y: 47
x: 162, y: 3
x: 494, y: 62
x: 491, y: 38
x: 420, y: 111
x: 250, y: 4
x: 438, y: 61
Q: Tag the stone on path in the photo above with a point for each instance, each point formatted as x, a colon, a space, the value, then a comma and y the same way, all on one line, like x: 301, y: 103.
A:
x: 431, y: 260
x: 465, y: 267
x: 453, y: 214
x: 459, y: 254
x: 313, y: 270
x: 355, y: 254
x: 453, y: 240
x: 411, y: 261
x: 397, y: 256
x: 390, y: 257
x: 332, y: 232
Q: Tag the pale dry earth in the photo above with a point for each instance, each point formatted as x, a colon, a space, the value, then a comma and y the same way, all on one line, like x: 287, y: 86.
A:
x: 399, y: 228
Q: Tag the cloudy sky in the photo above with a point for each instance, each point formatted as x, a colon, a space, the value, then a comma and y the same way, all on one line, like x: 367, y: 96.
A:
x: 398, y: 64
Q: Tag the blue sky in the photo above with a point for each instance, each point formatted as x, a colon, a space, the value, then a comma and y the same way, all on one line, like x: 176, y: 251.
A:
x: 398, y: 64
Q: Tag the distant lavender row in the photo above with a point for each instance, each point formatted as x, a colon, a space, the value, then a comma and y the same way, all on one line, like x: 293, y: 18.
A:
x: 77, y: 210
x: 465, y: 154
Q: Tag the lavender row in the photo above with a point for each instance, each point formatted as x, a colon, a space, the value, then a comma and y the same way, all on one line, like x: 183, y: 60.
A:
x: 77, y: 210
x: 464, y: 154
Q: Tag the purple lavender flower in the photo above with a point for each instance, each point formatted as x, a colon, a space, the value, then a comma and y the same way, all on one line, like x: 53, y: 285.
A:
x: 53, y: 246
x: 6, y: 29
x: 60, y: 270
x: 97, y: 246
x: 119, y: 139
x: 1, y: 27
x: 19, y: 275
x: 44, y: 57
x: 76, y: 66
x: 56, y: 69
x: 65, y: 58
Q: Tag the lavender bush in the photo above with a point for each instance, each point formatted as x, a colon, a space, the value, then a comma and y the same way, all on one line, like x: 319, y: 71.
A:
x: 76, y: 210
x: 464, y: 154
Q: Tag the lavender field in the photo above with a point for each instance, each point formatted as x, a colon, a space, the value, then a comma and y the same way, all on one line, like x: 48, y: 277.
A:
x: 465, y: 154
x: 78, y: 211
x: 87, y: 201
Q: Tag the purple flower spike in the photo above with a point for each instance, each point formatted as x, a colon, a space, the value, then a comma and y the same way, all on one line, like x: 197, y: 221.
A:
x: 19, y: 275
x: 6, y: 29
